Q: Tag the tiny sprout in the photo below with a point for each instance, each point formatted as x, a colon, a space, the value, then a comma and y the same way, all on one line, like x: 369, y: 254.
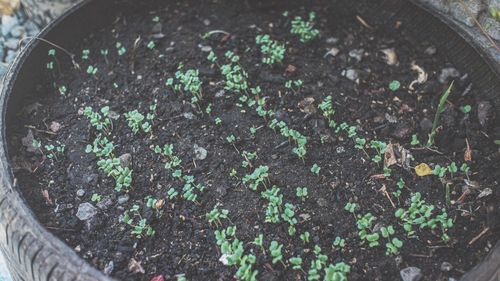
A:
x: 62, y: 90
x: 275, y: 249
x: 394, y: 85
x: 218, y: 121
x: 231, y: 139
x: 305, y: 237
x: 156, y: 19
x: 414, y: 140
x: 259, y: 241
x: 151, y: 45
x: 439, y: 171
x: 212, y: 57
x: 96, y: 198
x: 296, y: 262
x: 85, y: 54
x: 91, y: 70
x: 466, y: 108
x: 351, y: 207
x: 301, y: 192
x: 315, y: 169
x: 339, y: 242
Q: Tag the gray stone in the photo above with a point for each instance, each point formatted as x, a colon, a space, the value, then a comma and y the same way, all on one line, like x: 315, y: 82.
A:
x: 18, y: 31
x: 220, y: 93
x: 485, y: 112
x: 125, y: 159
x: 466, y: 16
x: 340, y: 149
x: 122, y: 199
x: 80, y: 192
x: 322, y: 202
x: 425, y: 124
x: 12, y: 43
x: 411, y: 274
x: 446, y: 266
x: 11, y: 55
x: 188, y: 115
x: 447, y: 73
x: 8, y: 22
x: 351, y: 74
x: 108, y: 269
x: 200, y: 152
x: 357, y: 54
x: 86, y: 211
x: 105, y: 203
x: 491, y: 26
x: 332, y: 40
x: 430, y: 51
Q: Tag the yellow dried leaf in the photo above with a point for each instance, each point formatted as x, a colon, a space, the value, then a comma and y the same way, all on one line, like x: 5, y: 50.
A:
x: 7, y: 7
x: 423, y: 170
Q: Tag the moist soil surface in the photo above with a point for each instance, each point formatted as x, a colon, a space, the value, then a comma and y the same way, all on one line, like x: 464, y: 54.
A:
x: 356, y: 74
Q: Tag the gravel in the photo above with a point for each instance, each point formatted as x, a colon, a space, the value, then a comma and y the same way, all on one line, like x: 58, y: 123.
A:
x: 86, y: 211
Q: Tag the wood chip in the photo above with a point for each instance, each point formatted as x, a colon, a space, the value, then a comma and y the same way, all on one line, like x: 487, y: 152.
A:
x: 7, y: 7
x: 389, y: 157
x: 422, y: 75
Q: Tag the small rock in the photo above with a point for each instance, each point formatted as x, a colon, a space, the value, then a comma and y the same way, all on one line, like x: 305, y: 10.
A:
x: 200, y: 152
x: 206, y: 49
x: 80, y: 192
x: 220, y: 93
x: 188, y: 115
x: 351, y: 74
x: 271, y: 77
x: 18, y: 31
x: 332, y: 40
x: 105, y: 203
x: 447, y: 73
x: 340, y: 149
x: 411, y: 274
x: 402, y: 131
x: 484, y: 112
x: 27, y: 142
x: 8, y: 22
x: 108, y: 269
x: 157, y: 27
x: 11, y: 55
x: 391, y: 58
x: 125, y: 159
x: 55, y: 126
x: 430, y: 51
x: 113, y: 115
x: 122, y: 199
x: 12, y: 43
x: 86, y: 211
x: 446, y: 266
x: 322, y: 202
x: 305, y: 217
x: 425, y: 124
x: 332, y: 52
x: 357, y: 54
x: 206, y: 22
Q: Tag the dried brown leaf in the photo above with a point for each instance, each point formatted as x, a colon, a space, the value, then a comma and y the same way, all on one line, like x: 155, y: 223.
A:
x: 7, y: 7
x: 307, y: 105
x: 135, y: 266
x: 389, y: 157
x: 468, y: 152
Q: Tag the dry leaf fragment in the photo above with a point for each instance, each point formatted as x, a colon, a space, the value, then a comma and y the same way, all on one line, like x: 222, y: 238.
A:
x: 390, y: 56
x: 421, y: 78
x: 46, y: 196
x: 389, y: 157
x: 423, y: 170
x: 135, y: 266
x: 468, y: 152
x: 7, y: 7
x: 307, y: 105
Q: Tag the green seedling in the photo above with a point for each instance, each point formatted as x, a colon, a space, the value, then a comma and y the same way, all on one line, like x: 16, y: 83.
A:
x: 440, y: 109
x: 466, y: 108
x: 394, y: 85
x: 275, y: 202
x: 216, y: 215
x: 301, y: 192
x: 315, y: 169
x: 275, y: 250
x: 259, y: 177
x: 120, y: 48
x: 305, y: 237
x: 96, y: 197
x: 296, y: 263
x: 272, y: 51
x: 414, y: 140
x: 337, y: 272
x: 137, y: 121
x: 139, y: 224
x: 351, y: 207
x: 339, y: 242
x: 305, y: 29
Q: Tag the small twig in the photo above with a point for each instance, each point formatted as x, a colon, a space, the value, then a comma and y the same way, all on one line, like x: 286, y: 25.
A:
x: 70, y: 54
x: 40, y: 131
x: 363, y: 22
x: 477, y: 237
x: 384, y: 190
x: 468, y: 11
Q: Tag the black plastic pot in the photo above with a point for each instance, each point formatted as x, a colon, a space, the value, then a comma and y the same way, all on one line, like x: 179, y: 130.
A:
x: 33, y: 253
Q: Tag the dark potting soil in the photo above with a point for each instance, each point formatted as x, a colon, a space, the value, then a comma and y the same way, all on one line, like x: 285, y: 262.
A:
x: 355, y: 74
